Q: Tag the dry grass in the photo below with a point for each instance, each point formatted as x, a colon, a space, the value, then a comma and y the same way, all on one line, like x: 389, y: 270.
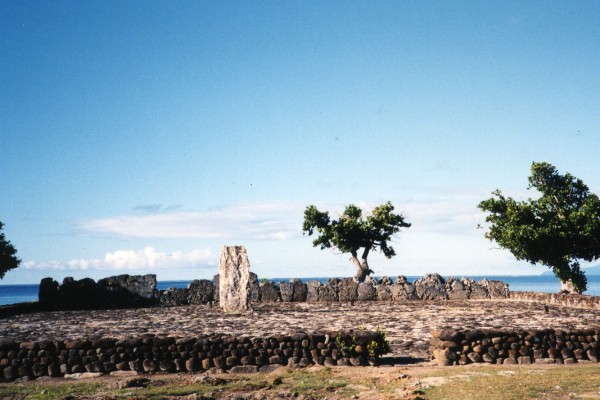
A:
x: 423, y: 381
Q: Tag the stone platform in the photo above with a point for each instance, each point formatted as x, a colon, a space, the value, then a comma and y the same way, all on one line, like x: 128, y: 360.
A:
x: 408, y: 324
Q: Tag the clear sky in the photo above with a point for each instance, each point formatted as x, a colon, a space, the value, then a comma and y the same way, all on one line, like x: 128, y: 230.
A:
x: 141, y: 136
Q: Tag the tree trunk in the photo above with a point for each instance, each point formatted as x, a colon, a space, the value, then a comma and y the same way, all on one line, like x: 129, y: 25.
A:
x: 362, y: 268
x: 568, y: 287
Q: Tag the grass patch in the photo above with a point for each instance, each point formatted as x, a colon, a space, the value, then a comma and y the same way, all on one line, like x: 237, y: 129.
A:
x: 577, y: 382
x: 48, y: 392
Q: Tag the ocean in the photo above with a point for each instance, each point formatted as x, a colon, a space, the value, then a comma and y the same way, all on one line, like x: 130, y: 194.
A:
x: 10, y: 294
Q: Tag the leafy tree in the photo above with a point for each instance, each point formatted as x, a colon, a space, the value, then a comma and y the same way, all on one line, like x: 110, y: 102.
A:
x: 557, y: 229
x: 8, y: 260
x: 351, y: 232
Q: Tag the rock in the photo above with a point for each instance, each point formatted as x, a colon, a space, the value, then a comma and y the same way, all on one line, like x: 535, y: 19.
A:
x: 267, y: 369
x: 384, y: 292
x: 348, y: 290
x: 496, y: 289
x: 300, y: 290
x: 174, y: 297
x: 234, y: 277
x: 478, y: 291
x: 201, y: 291
x: 216, y: 286
x: 268, y: 292
x: 286, y: 289
x: 366, y: 292
x: 83, y: 375
x: 244, y: 369
x: 48, y: 294
x: 456, y: 290
x: 10, y: 373
x: 83, y: 294
x: 139, y: 286
x: 431, y: 287
x: 385, y: 280
x: 254, y: 288
x: 312, y: 294
x: 403, y: 290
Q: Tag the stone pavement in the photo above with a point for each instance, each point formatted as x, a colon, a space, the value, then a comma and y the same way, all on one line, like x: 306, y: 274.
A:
x: 407, y: 324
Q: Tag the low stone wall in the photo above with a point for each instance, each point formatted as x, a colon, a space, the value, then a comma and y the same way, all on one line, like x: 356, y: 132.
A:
x: 559, y: 299
x: 453, y: 347
x: 151, y: 353
x: 125, y: 291
x: 430, y: 287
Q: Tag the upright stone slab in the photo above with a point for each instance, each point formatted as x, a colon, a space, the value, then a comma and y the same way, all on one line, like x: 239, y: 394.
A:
x: 234, y: 280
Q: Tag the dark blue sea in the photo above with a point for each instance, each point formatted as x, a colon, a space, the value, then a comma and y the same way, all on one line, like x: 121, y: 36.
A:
x: 10, y: 294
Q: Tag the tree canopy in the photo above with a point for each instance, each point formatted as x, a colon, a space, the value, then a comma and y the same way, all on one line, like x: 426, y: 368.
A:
x: 352, y: 231
x: 8, y: 258
x: 557, y: 229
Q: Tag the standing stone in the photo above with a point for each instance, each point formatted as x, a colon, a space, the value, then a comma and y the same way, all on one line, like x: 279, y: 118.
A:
x: 48, y: 294
x: 234, y: 279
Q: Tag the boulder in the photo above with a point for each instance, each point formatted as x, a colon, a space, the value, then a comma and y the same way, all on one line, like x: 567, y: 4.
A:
x: 348, y: 290
x: 216, y: 286
x: 286, y: 289
x: 496, y: 289
x: 174, y: 297
x: 138, y: 286
x: 300, y: 290
x: 312, y: 294
x: 431, y: 287
x: 200, y: 291
x: 366, y: 292
x: 478, y: 291
x: 48, y: 294
x: 456, y: 290
x: 318, y: 292
x: 268, y: 292
x: 385, y: 280
x: 403, y: 290
x: 83, y: 294
x: 384, y: 292
x: 254, y: 288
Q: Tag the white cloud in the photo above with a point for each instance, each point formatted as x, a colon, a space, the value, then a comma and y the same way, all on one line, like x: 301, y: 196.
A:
x: 148, y: 258
x: 264, y: 221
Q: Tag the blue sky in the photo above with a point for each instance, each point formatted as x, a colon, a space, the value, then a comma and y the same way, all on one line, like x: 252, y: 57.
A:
x: 140, y: 137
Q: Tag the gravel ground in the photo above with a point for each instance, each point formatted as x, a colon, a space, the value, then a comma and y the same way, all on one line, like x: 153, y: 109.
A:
x: 407, y: 324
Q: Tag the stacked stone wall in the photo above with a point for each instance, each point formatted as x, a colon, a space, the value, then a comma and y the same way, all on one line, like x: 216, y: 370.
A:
x: 150, y: 354
x: 559, y: 299
x: 547, y: 346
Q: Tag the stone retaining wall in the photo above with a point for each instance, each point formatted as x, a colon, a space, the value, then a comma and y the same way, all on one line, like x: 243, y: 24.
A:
x: 125, y: 291
x: 453, y: 347
x: 151, y: 353
x: 559, y: 299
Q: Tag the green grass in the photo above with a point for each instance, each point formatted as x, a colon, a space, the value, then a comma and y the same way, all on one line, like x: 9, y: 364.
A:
x: 48, y: 392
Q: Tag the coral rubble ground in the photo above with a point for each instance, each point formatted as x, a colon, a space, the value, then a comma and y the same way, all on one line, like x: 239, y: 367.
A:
x: 408, y: 325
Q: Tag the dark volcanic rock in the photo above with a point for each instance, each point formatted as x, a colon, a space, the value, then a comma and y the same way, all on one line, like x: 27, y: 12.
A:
x: 200, y: 291
x: 286, y: 289
x: 48, y: 294
x: 254, y: 287
x: 403, y: 290
x: 431, y: 287
x: 174, y: 297
x: 456, y: 289
x: 496, y: 289
x: 300, y: 290
x: 366, y: 292
x: 142, y: 286
x: 269, y: 292
x: 348, y: 290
